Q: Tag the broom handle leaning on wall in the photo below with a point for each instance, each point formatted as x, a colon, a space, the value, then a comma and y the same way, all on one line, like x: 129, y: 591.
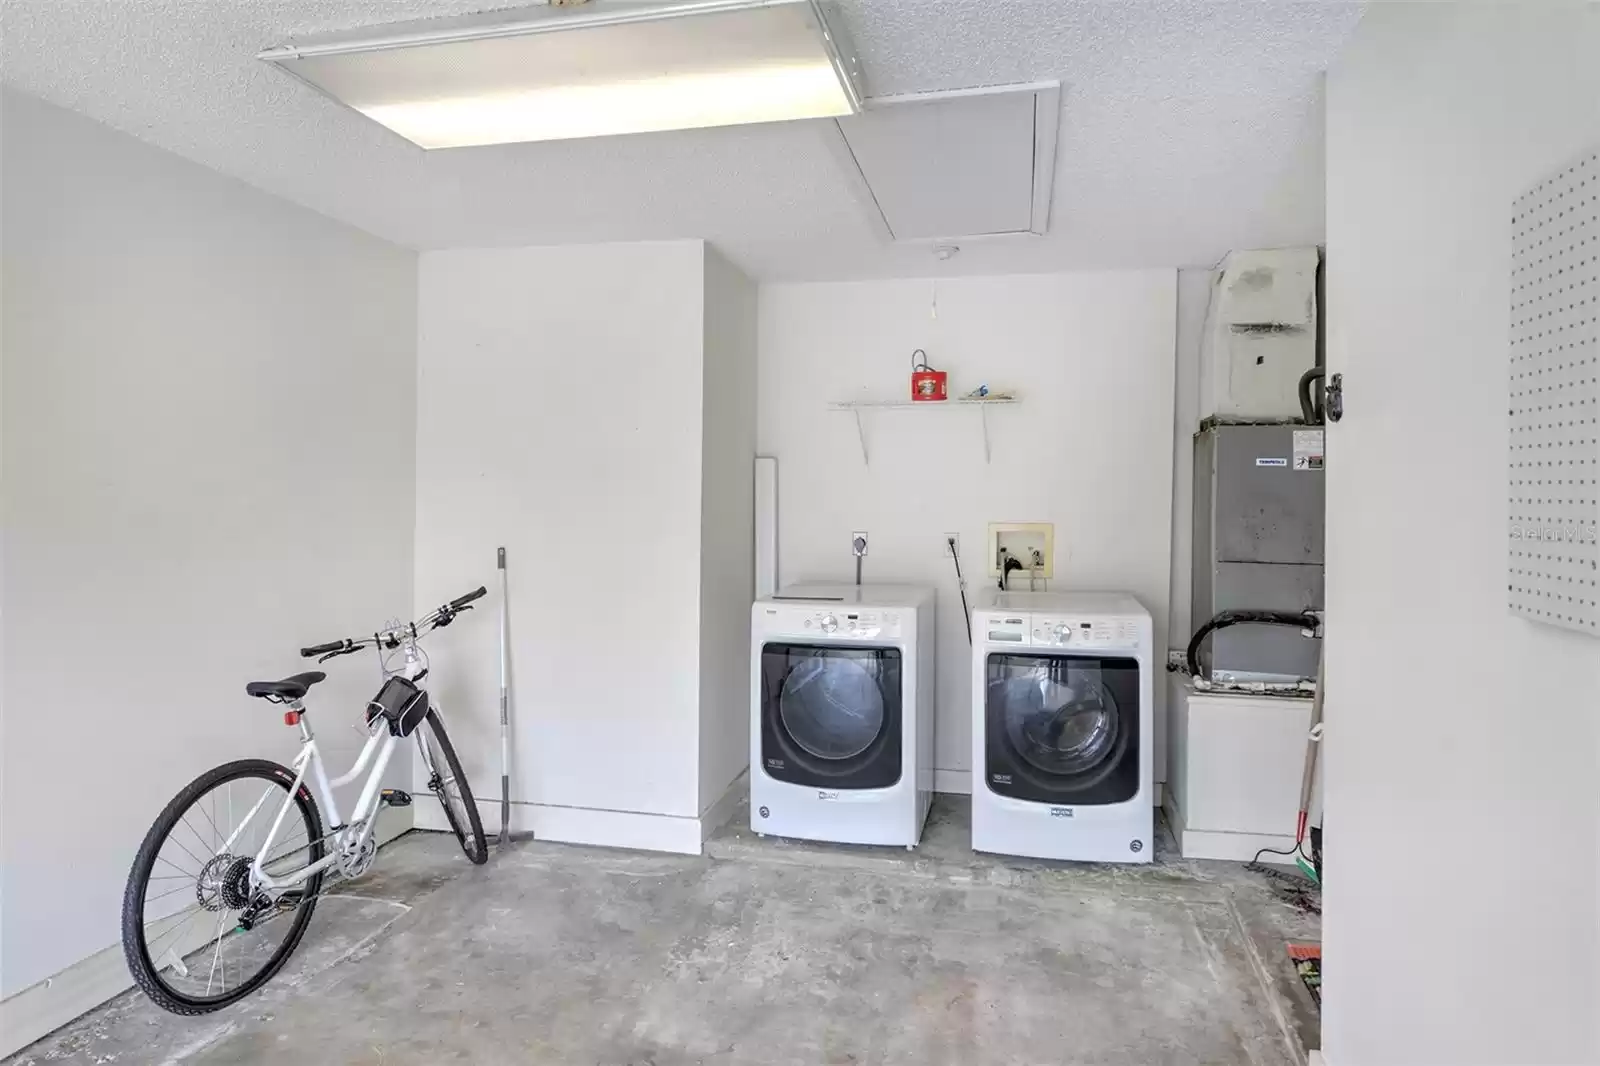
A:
x: 505, y: 702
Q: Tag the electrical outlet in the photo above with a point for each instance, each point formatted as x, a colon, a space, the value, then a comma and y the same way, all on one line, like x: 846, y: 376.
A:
x: 858, y: 542
x: 946, y: 549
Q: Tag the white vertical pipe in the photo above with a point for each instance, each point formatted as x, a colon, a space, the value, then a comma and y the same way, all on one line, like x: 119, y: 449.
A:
x: 766, y: 525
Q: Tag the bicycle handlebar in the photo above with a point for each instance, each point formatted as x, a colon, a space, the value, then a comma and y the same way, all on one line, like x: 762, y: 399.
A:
x: 435, y: 619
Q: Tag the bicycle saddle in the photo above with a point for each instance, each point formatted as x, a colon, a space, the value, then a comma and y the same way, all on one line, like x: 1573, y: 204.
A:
x: 290, y: 688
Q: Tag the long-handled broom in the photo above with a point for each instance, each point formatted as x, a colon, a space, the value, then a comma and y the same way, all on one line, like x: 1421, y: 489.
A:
x: 505, y: 703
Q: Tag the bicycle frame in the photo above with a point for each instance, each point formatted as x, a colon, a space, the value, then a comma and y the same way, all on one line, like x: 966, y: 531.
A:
x: 308, y: 765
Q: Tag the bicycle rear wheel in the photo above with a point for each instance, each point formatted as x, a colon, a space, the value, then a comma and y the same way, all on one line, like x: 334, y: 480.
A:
x: 447, y: 781
x: 198, y: 931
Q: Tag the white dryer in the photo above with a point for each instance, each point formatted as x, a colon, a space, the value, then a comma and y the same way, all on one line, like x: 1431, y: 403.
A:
x: 1063, y: 690
x: 841, y: 703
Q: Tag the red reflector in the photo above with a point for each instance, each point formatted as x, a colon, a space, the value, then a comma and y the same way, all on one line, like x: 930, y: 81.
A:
x: 291, y: 718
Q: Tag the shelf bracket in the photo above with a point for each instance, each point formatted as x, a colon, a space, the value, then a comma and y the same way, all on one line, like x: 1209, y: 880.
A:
x: 861, y: 434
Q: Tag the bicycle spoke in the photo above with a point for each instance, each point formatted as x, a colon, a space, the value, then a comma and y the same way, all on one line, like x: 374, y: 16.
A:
x: 181, y: 870
x: 205, y: 845
x: 169, y: 892
x: 174, y: 840
x: 198, y: 910
x: 216, y: 953
x: 214, y: 829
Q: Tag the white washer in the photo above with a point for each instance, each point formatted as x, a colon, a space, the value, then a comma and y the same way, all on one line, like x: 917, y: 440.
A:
x: 1063, y: 687
x: 841, y: 704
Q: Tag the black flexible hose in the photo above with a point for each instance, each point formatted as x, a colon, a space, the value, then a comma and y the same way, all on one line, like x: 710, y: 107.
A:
x: 961, y: 583
x: 1310, y: 408
x: 1223, y: 619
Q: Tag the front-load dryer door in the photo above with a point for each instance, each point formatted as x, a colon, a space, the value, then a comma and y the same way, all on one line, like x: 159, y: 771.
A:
x: 830, y: 716
x: 1062, y: 729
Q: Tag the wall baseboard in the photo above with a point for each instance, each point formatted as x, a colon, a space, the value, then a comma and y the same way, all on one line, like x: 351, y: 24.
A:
x: 42, y: 1008
x: 581, y: 825
x: 716, y: 815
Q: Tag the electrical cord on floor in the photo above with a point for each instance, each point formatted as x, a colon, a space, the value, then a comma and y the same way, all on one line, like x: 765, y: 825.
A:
x: 1301, y: 890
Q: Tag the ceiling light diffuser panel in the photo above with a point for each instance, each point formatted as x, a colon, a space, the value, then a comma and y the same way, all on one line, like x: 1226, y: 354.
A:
x: 588, y: 70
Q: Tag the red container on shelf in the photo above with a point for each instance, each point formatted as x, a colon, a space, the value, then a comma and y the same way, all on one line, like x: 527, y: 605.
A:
x: 927, y: 384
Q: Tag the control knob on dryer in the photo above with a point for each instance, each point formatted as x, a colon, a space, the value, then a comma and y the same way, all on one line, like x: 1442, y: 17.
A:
x: 828, y: 624
x: 1063, y: 633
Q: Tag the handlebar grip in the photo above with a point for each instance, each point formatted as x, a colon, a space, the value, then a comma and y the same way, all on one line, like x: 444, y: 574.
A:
x: 476, y: 594
x: 322, y: 649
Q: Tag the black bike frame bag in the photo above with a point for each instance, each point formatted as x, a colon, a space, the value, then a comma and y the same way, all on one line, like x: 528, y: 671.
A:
x: 402, y: 703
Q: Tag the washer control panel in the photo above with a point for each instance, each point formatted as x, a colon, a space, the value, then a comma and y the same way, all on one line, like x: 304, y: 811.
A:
x: 847, y: 623
x: 1055, y: 631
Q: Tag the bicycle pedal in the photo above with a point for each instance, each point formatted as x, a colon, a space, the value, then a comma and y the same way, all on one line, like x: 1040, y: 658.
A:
x: 394, y: 797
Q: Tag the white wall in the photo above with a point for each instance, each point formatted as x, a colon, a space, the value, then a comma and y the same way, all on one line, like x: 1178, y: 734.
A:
x: 1463, y: 746
x: 207, y: 447
x: 560, y: 399
x: 1089, y: 448
x: 727, y: 525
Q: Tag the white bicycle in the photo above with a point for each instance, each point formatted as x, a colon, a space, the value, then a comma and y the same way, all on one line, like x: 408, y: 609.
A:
x: 225, y: 882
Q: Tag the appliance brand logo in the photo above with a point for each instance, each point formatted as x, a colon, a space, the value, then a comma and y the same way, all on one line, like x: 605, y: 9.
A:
x: 825, y: 795
x: 1000, y: 779
x: 1061, y: 812
x: 775, y: 764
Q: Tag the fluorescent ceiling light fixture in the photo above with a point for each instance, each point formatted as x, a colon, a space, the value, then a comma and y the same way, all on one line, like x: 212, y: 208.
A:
x: 590, y: 70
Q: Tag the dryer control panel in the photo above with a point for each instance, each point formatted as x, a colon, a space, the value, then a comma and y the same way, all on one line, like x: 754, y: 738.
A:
x: 1057, y: 631
x: 847, y: 623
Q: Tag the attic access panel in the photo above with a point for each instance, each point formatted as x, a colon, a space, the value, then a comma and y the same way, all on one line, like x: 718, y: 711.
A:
x: 960, y: 164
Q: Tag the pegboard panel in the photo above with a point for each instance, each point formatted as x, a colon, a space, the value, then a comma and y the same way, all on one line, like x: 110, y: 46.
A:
x: 1553, y: 472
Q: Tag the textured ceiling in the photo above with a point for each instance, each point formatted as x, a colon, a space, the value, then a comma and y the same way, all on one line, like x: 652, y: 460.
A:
x: 1188, y: 127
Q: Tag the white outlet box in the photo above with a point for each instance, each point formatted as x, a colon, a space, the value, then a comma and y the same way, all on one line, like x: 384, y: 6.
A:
x: 858, y: 537
x: 1033, y: 544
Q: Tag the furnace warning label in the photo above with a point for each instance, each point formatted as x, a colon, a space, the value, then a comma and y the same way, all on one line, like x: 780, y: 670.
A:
x: 1308, y: 449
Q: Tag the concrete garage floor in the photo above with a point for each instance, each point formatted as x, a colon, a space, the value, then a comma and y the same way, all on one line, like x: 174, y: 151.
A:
x: 766, y: 952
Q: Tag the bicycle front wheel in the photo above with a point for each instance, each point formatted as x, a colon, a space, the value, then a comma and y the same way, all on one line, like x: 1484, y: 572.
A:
x: 449, y: 783
x: 198, y: 929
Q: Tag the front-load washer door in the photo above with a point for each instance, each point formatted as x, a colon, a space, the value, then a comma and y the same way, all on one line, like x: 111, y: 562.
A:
x: 830, y: 716
x: 1062, y: 729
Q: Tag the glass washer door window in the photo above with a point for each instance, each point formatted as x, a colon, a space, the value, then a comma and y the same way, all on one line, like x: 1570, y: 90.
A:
x: 1060, y: 717
x: 1062, y: 728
